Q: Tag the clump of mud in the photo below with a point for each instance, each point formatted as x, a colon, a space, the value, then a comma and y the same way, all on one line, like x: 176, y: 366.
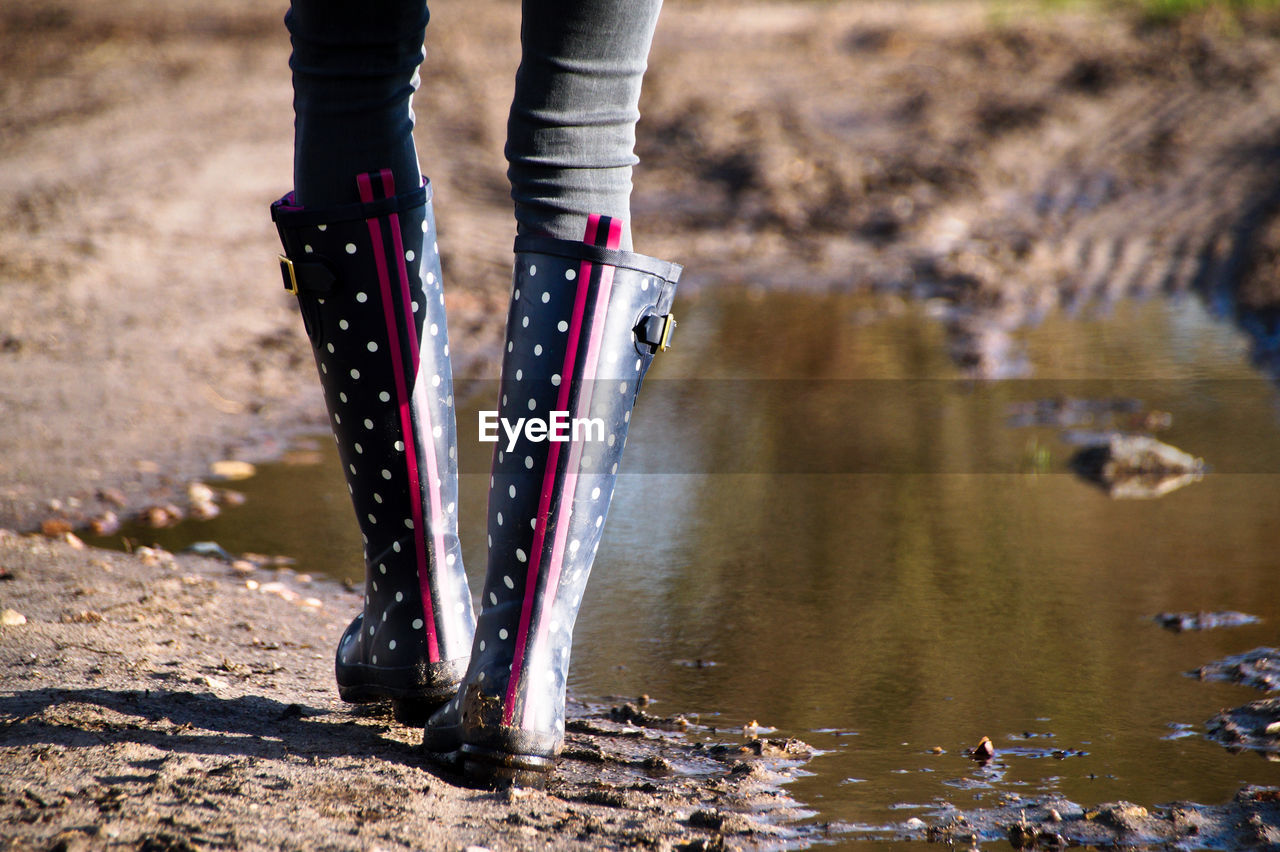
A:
x: 1180, y: 622
x: 1254, y: 726
x: 1248, y: 821
x: 1259, y: 668
x: 1108, y: 412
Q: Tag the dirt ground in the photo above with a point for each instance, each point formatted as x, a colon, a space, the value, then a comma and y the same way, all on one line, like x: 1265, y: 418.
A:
x: 171, y: 703
x: 1005, y: 161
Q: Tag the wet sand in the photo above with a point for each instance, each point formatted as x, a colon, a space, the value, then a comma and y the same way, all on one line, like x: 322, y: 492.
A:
x: 163, y: 702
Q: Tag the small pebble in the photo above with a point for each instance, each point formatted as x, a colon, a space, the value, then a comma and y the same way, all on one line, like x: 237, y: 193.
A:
x: 159, y: 517
x: 231, y: 498
x: 232, y: 469
x: 279, y: 589
x: 12, y: 618
x: 205, y: 510
x: 154, y: 556
x: 264, y: 561
x: 107, y: 523
x: 915, y: 824
x: 55, y: 527
x: 198, y: 492
x: 114, y: 496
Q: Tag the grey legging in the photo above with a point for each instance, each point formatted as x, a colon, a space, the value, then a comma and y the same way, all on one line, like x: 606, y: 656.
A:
x: 570, y: 135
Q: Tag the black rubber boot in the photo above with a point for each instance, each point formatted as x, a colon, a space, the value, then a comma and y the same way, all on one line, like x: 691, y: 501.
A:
x: 584, y: 325
x: 367, y: 277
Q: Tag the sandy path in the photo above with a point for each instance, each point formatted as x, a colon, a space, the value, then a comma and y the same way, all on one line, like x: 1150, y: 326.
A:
x: 172, y: 703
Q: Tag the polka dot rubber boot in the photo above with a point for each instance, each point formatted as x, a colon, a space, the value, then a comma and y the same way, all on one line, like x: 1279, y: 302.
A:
x: 367, y: 277
x: 584, y: 324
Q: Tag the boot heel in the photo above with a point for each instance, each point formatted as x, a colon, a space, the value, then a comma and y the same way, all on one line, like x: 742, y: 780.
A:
x: 497, y: 769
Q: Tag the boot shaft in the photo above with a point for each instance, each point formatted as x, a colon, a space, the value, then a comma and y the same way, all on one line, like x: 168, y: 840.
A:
x: 368, y: 282
x: 584, y: 324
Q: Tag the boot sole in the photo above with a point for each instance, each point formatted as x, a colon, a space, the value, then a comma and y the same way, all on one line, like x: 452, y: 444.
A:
x: 413, y: 693
x: 408, y: 706
x: 491, y: 768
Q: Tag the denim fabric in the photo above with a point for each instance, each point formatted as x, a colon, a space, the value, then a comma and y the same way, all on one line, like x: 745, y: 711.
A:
x: 571, y: 133
x: 355, y: 69
x: 570, y: 136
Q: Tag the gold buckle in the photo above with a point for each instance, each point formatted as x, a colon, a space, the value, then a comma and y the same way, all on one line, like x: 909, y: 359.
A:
x: 668, y: 326
x: 291, y: 276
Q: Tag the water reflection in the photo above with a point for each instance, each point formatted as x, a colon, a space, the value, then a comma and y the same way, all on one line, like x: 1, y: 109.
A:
x: 925, y: 593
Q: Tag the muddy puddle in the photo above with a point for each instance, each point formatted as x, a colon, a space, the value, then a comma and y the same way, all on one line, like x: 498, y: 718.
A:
x: 826, y: 529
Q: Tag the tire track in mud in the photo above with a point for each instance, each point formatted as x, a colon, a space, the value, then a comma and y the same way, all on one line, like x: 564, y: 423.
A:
x: 1172, y: 234
x: 1116, y: 214
x: 1049, y: 160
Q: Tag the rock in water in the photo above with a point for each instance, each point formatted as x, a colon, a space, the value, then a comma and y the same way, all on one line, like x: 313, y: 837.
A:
x: 983, y: 751
x: 1180, y: 621
x: 1259, y: 668
x: 1255, y: 726
x: 1136, y: 466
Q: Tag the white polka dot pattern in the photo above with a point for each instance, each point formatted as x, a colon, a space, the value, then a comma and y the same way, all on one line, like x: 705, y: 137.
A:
x: 570, y: 346
x: 396, y: 437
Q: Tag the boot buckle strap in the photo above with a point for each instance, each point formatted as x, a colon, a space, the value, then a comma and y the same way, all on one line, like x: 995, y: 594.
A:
x: 305, y: 276
x: 655, y: 331
x: 289, y: 274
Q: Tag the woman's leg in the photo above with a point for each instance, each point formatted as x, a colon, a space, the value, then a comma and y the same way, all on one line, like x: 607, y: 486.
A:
x: 585, y: 320
x: 360, y: 254
x: 355, y: 69
x: 571, y: 134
